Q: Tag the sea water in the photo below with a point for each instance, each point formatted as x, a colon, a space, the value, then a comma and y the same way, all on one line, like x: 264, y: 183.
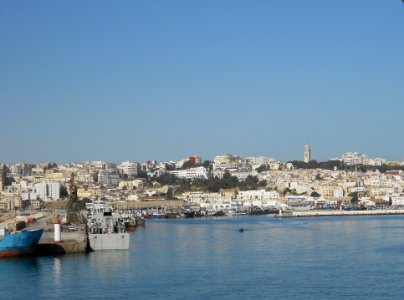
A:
x: 291, y: 258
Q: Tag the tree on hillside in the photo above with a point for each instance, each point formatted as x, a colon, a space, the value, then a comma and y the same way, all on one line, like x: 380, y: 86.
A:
x: 229, y: 181
x: 250, y: 183
x: 170, y: 194
x: 314, y: 194
x: 262, y: 168
x: 187, y: 165
x: 167, y: 179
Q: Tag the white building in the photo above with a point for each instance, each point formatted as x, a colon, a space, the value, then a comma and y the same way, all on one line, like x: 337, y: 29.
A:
x: 397, y: 200
x: 257, y: 195
x: 242, y: 176
x: 374, y: 161
x: 338, y: 192
x: 48, y: 191
x: 108, y: 179
x: 28, y: 196
x: 200, y: 197
x: 192, y: 173
x: 129, y: 168
x: 231, y: 166
x: 353, y: 158
x: 227, y: 158
x: 260, y: 160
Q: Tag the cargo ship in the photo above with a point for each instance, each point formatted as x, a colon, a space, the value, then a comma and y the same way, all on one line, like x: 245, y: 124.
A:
x: 18, y: 243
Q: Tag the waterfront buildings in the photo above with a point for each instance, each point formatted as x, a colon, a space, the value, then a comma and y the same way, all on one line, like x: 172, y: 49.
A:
x: 28, y: 185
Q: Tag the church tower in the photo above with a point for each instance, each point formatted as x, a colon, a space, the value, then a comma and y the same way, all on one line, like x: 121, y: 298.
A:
x: 307, y: 153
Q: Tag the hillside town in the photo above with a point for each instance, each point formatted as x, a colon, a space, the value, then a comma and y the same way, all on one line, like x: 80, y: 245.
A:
x: 228, y: 182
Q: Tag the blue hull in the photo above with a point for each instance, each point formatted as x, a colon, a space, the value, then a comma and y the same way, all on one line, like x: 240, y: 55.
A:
x: 19, y: 243
x: 159, y: 216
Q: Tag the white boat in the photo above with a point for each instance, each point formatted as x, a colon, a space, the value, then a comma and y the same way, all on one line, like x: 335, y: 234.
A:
x: 106, y: 230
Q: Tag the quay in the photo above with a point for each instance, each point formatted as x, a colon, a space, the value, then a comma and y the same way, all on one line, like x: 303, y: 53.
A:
x: 73, y: 238
x: 74, y: 241
x: 337, y: 213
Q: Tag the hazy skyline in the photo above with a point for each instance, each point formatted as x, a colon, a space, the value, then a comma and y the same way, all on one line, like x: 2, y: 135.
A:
x: 139, y: 80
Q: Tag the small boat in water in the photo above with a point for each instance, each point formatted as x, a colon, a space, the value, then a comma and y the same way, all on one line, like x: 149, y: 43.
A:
x: 189, y: 213
x: 18, y: 243
x: 158, y: 215
x: 219, y: 213
x: 129, y: 222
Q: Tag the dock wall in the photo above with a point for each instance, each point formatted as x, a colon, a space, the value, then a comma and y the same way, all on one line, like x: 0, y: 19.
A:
x: 335, y: 213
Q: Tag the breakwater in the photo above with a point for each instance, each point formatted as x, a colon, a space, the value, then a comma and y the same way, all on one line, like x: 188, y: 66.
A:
x: 336, y: 213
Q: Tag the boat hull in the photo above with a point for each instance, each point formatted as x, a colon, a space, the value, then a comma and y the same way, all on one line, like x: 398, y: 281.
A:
x: 109, y: 241
x: 158, y: 216
x: 19, y: 243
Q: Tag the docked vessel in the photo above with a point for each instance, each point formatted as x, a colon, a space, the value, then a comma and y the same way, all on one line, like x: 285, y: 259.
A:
x: 106, y: 229
x: 18, y: 243
x: 189, y: 213
x: 158, y: 215
x: 129, y: 222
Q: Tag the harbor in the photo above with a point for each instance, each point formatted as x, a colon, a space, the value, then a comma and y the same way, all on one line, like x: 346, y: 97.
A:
x: 173, y: 258
x: 108, y: 228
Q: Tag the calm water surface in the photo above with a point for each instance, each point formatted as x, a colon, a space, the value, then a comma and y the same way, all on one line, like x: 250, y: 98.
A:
x: 313, y: 258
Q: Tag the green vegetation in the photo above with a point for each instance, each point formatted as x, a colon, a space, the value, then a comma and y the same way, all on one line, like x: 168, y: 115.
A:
x: 263, y: 168
x: 170, y: 194
x: 74, y: 206
x: 212, y: 184
x: 315, y: 195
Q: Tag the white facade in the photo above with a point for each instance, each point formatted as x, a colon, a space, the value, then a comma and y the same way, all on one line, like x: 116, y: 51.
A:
x: 200, y: 197
x: 28, y: 196
x: 338, y: 192
x: 353, y: 158
x: 257, y: 195
x: 397, y: 200
x: 231, y: 166
x: 258, y: 198
x: 129, y: 168
x: 108, y: 179
x: 227, y: 158
x: 48, y: 191
x: 242, y: 176
x: 192, y: 173
x: 260, y: 160
x: 359, y: 189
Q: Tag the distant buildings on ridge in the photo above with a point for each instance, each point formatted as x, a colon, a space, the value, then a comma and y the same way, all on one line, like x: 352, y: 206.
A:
x: 30, y: 185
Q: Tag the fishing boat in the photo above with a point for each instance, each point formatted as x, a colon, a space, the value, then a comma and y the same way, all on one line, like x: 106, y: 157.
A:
x: 189, y: 213
x: 129, y: 222
x: 158, y: 215
x: 18, y: 243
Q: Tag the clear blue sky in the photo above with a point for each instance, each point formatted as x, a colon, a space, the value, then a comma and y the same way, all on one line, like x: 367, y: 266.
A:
x: 139, y: 80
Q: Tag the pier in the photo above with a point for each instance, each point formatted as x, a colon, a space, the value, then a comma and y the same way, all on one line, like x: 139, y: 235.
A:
x: 74, y: 241
x: 337, y: 213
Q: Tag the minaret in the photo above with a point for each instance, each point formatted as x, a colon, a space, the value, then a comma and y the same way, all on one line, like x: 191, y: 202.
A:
x: 307, y: 152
